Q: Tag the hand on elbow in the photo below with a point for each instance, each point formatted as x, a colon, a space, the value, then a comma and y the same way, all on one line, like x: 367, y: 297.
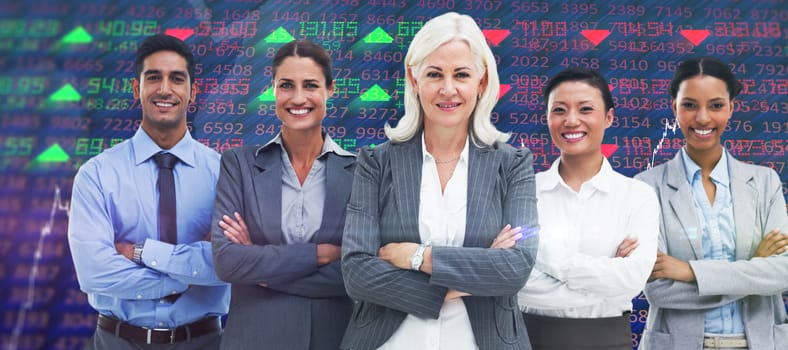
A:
x: 774, y: 243
x: 398, y: 254
x: 669, y: 267
x: 328, y: 253
x: 508, y: 237
x: 626, y: 247
x: 235, y: 229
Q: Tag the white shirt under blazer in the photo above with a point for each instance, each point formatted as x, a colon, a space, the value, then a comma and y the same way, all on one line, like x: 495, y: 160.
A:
x: 384, y: 207
x: 677, y: 309
x: 577, y: 273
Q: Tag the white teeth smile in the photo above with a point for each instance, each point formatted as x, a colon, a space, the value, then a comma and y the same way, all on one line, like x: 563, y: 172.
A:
x: 448, y: 105
x: 163, y: 104
x: 299, y: 111
x: 574, y: 135
x: 703, y: 132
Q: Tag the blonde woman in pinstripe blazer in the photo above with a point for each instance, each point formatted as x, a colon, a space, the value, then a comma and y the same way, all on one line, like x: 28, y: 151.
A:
x: 446, y: 177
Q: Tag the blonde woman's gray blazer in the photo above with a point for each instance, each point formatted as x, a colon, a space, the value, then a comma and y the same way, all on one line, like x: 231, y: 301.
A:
x: 384, y: 208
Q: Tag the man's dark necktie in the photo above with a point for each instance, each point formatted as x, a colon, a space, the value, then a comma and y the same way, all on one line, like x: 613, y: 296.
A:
x: 168, y: 230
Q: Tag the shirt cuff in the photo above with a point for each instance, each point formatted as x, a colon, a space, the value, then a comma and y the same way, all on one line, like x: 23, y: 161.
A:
x: 156, y: 254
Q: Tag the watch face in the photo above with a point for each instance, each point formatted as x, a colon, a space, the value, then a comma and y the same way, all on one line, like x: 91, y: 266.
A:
x: 415, y: 261
x: 417, y: 258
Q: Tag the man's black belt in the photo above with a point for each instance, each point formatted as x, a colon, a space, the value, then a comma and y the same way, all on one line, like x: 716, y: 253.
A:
x: 159, y: 335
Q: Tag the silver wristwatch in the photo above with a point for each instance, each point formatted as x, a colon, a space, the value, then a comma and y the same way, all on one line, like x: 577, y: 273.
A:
x: 418, y: 257
x: 137, y: 257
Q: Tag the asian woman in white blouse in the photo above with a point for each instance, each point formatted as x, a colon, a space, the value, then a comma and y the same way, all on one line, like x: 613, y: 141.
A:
x: 599, y: 228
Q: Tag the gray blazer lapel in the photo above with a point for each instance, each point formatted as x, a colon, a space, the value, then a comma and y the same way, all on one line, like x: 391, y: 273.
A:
x: 482, y: 172
x: 268, y: 188
x: 339, y: 180
x: 406, y: 179
x: 683, y: 208
x: 744, y: 196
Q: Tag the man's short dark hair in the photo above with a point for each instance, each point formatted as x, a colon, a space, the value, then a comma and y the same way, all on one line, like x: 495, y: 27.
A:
x: 163, y: 42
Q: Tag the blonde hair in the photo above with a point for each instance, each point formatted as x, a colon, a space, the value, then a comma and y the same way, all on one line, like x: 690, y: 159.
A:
x: 436, y: 32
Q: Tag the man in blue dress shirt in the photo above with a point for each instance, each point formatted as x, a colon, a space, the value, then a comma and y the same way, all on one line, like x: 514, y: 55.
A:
x: 151, y: 291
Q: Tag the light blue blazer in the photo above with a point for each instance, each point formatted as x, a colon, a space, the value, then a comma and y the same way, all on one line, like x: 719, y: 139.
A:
x: 383, y: 208
x: 304, y: 306
x: 676, y: 315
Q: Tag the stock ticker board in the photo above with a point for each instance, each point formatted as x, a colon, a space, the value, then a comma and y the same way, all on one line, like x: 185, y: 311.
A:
x: 65, y: 95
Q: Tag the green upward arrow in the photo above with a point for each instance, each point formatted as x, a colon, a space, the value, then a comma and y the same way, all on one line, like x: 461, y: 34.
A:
x: 375, y: 94
x: 378, y: 36
x: 77, y: 36
x: 67, y: 93
x: 267, y: 95
x: 280, y: 35
x: 53, y: 154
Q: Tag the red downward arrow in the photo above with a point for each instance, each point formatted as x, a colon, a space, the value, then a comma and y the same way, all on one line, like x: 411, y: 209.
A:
x: 695, y: 36
x: 611, y: 87
x: 504, y: 89
x: 180, y: 33
x: 595, y: 35
x: 609, y: 149
x: 495, y: 36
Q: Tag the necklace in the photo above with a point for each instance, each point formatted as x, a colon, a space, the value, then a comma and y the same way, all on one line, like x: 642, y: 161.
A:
x: 447, y: 161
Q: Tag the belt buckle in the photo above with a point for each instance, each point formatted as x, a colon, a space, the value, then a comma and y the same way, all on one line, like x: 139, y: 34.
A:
x: 151, y: 330
x: 717, y: 342
x: 722, y: 342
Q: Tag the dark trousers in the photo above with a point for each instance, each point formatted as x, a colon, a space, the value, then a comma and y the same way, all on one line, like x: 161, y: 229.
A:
x: 103, y: 340
x: 552, y: 333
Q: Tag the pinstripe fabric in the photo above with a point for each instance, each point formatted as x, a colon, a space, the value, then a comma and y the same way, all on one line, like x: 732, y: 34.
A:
x: 383, y: 208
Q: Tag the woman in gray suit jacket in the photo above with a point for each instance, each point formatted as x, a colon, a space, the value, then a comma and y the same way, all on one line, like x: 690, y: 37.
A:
x: 721, y: 266
x: 278, y: 218
x: 424, y: 254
